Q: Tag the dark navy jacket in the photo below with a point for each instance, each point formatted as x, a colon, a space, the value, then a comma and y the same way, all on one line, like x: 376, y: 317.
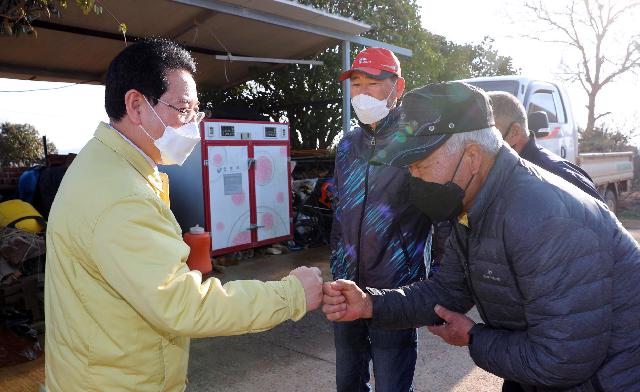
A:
x: 554, y: 276
x: 560, y: 167
x: 545, y: 159
x: 377, y: 237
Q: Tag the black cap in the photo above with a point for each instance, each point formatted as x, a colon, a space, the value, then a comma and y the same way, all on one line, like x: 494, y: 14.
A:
x: 430, y: 115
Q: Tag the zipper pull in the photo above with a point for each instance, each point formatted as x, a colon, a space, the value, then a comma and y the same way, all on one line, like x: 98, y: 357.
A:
x: 373, y: 141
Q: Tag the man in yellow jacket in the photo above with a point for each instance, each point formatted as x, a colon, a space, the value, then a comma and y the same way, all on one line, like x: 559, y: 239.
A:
x: 120, y: 302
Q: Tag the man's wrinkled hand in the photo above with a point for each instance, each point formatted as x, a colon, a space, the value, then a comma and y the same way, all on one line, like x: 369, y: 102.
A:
x: 344, y: 301
x: 456, y: 328
x: 311, y: 279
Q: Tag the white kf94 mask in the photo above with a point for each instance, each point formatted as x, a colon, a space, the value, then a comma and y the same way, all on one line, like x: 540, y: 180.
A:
x: 369, y: 109
x: 176, y: 144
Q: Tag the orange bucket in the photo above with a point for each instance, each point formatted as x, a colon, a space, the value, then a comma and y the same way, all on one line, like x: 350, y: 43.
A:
x: 200, y: 243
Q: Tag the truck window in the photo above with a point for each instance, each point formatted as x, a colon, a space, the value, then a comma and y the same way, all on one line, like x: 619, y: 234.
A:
x: 562, y: 118
x: 542, y: 101
x: 509, y: 86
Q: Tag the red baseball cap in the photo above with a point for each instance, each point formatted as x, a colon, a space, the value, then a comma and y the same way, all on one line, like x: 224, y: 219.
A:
x: 373, y: 61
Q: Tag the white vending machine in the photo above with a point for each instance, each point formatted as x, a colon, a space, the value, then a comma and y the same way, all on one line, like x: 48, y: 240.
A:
x: 245, y: 184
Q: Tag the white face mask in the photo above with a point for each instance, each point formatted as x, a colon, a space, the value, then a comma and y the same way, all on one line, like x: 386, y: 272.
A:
x: 369, y: 109
x: 175, y: 144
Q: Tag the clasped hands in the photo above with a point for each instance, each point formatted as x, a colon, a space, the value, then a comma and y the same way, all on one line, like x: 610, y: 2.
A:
x: 343, y: 300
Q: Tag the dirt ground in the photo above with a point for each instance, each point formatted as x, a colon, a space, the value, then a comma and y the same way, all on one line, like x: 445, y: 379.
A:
x: 301, y: 356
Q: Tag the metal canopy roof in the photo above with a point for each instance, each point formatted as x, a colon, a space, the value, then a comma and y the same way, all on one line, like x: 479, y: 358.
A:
x: 79, y: 48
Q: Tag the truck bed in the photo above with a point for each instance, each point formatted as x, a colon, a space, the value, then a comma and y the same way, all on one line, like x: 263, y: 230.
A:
x: 607, y: 167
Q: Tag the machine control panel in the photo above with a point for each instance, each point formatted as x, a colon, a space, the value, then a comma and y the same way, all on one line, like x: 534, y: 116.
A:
x: 270, y: 132
x: 244, y: 130
x: 227, y: 131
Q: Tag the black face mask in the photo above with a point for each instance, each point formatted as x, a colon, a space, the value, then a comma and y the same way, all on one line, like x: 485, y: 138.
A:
x: 440, y: 202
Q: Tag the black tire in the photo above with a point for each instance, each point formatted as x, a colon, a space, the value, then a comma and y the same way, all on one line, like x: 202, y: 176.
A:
x: 611, y: 200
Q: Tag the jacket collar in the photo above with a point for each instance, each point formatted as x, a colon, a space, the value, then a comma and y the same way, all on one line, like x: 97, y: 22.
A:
x: 505, y: 163
x: 148, y: 158
x: 530, y: 149
x: 384, y: 127
x: 112, y: 139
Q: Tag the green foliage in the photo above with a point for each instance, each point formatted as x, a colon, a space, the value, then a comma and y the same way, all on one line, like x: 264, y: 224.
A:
x: 612, y: 139
x: 16, y: 16
x: 309, y: 98
x: 485, y: 60
x: 605, y: 139
x: 21, y: 145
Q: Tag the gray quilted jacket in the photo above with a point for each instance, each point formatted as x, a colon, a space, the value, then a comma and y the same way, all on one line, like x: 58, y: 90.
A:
x: 555, y: 278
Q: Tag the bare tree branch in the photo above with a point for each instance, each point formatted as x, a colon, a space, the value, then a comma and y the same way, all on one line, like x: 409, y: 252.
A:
x: 546, y: 17
x: 550, y: 41
x: 583, y: 83
x: 630, y: 61
x: 580, y: 46
x: 630, y: 6
x: 593, y: 24
x: 588, y: 27
x: 599, y: 116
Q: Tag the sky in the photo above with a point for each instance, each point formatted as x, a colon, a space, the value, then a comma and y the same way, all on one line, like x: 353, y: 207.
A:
x: 68, y: 116
x: 469, y: 21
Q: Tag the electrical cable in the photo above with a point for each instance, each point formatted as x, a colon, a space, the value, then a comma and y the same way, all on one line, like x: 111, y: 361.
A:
x: 39, y: 89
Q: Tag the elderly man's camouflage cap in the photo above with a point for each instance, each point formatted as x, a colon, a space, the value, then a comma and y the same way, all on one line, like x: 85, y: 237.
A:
x: 430, y: 115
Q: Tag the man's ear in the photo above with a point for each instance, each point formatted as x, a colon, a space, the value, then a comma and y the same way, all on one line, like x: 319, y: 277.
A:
x: 516, y: 129
x: 474, y: 155
x: 133, y: 102
x: 400, y: 85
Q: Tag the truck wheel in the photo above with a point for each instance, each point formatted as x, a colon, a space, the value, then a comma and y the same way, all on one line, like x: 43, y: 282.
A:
x: 610, y: 199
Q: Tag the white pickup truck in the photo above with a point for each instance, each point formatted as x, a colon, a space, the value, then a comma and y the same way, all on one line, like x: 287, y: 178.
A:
x: 611, y: 172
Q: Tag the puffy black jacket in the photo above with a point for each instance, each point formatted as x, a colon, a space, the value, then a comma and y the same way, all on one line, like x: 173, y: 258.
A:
x: 554, y: 275
x: 377, y: 237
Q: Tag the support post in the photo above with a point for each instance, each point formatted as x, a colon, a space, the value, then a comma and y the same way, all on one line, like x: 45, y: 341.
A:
x: 346, y: 99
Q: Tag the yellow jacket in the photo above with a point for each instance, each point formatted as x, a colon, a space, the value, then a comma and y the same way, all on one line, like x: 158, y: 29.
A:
x: 120, y: 302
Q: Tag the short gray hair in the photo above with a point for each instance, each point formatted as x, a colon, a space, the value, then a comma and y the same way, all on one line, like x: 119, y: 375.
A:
x: 488, y: 138
x: 508, y: 108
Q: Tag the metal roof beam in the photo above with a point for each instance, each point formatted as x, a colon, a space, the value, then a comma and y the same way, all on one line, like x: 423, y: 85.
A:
x: 226, y: 8
x: 269, y: 60
x: 379, y: 44
x: 116, y: 37
x: 201, y: 18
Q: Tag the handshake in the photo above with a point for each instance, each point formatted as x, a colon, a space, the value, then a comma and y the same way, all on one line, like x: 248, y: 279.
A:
x: 341, y: 300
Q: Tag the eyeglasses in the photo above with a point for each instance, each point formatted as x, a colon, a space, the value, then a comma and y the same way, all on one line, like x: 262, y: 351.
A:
x: 186, y: 115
